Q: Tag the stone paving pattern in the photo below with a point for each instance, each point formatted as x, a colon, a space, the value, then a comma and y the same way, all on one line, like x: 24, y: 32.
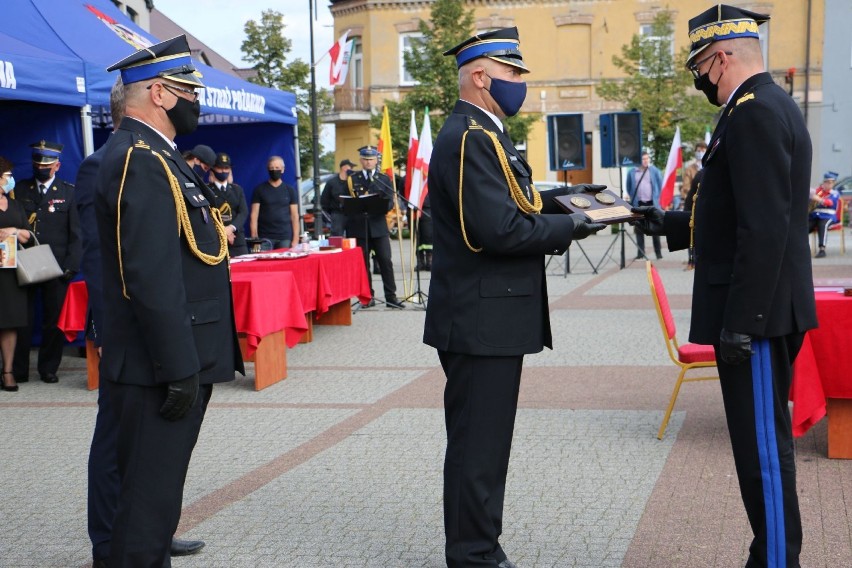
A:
x: 340, y: 464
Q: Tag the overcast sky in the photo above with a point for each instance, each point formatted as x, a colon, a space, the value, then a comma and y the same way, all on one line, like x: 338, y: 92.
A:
x: 219, y: 24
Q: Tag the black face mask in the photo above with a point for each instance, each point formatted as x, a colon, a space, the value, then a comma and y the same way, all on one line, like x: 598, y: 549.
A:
x: 41, y: 174
x: 184, y: 116
x: 275, y: 175
x: 200, y: 171
x: 221, y: 176
x: 710, y: 90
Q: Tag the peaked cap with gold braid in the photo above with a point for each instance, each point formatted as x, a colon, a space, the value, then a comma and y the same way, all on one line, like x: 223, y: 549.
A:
x: 169, y: 59
x: 721, y: 22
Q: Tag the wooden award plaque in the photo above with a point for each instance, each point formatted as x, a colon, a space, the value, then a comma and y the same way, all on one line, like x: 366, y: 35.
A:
x: 598, y: 206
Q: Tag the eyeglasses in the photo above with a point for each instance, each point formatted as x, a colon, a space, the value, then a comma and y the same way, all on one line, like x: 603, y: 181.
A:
x: 193, y: 94
x: 694, y: 67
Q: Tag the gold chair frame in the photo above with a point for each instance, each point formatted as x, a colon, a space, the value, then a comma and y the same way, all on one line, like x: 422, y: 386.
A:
x: 673, y: 349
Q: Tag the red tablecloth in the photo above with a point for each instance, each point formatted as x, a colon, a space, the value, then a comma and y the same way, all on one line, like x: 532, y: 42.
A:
x: 324, y: 279
x: 263, y: 303
x: 266, y: 303
x: 72, y: 318
x: 823, y: 368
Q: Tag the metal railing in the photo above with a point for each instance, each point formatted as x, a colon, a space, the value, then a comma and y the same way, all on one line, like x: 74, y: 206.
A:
x: 351, y: 100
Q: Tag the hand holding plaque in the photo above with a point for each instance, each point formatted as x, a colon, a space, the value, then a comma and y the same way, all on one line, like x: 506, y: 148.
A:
x: 598, y: 204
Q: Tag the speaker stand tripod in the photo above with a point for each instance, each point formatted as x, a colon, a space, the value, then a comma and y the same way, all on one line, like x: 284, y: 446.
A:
x: 418, y: 297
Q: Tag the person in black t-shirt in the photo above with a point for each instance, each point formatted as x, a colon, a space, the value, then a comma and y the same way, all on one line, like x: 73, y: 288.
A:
x: 275, y: 208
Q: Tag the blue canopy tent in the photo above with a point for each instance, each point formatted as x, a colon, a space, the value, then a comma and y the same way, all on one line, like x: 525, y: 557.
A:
x: 66, y: 75
x: 54, y: 86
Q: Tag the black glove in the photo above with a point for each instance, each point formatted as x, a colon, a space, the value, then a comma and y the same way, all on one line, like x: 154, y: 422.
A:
x: 585, y: 188
x: 735, y: 348
x: 652, y: 224
x: 68, y: 275
x: 582, y: 227
x: 179, y: 398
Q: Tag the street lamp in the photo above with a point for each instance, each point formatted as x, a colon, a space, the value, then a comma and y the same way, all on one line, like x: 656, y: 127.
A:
x: 315, y: 130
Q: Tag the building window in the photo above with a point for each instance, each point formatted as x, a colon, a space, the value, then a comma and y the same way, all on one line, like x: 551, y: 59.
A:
x: 356, y: 64
x: 663, y: 45
x: 407, y: 42
x: 118, y: 5
x: 133, y: 15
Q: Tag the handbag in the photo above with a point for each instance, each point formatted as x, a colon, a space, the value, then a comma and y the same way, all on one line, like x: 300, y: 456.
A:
x: 36, y: 264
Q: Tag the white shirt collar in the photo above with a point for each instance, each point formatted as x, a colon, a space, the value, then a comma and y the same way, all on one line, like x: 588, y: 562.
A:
x: 47, y: 183
x: 491, y: 115
x: 728, y: 102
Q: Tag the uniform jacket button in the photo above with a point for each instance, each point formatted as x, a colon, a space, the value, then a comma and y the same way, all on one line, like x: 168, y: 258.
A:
x: 758, y: 317
x: 509, y: 290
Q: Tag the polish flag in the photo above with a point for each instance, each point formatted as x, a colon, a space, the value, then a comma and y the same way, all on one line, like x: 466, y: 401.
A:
x: 674, y: 163
x: 339, y: 54
x: 420, y: 175
x: 412, y: 156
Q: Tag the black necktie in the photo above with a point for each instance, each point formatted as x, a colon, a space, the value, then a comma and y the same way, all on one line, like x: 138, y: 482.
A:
x: 42, y: 188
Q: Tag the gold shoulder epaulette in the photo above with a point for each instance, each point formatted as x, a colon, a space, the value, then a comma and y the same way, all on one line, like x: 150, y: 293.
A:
x: 744, y: 98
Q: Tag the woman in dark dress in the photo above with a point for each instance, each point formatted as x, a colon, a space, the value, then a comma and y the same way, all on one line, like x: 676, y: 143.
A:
x: 13, y: 305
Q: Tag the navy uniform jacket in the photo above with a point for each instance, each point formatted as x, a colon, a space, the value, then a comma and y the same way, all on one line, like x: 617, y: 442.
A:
x: 377, y: 224
x: 54, y: 220
x: 236, y: 213
x: 167, y: 314
x: 492, y: 302
x: 752, y: 258
x: 90, y: 262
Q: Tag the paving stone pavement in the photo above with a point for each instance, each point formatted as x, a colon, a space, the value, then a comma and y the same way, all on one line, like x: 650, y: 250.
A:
x: 340, y: 464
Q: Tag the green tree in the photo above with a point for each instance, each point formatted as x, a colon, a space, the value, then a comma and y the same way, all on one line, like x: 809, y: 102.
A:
x: 437, y: 86
x: 658, y: 85
x: 266, y: 49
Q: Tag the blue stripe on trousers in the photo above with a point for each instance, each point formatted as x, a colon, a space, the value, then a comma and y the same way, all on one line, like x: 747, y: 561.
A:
x: 767, y: 449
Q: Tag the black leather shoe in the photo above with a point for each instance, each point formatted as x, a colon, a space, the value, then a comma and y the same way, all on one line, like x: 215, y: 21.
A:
x: 185, y: 547
x: 369, y: 304
x: 507, y: 564
x: 394, y: 303
x: 100, y: 563
x: 50, y: 378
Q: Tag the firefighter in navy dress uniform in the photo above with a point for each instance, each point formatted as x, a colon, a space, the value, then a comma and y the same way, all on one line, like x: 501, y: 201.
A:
x: 487, y: 297
x: 168, y: 317
x: 230, y: 199
x: 371, y: 181
x: 52, y: 215
x: 753, y: 296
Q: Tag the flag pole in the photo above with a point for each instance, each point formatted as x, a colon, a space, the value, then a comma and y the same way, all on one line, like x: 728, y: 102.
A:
x: 314, y: 132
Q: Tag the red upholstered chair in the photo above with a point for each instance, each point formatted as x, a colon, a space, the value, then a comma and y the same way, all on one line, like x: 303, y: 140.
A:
x: 687, y: 356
